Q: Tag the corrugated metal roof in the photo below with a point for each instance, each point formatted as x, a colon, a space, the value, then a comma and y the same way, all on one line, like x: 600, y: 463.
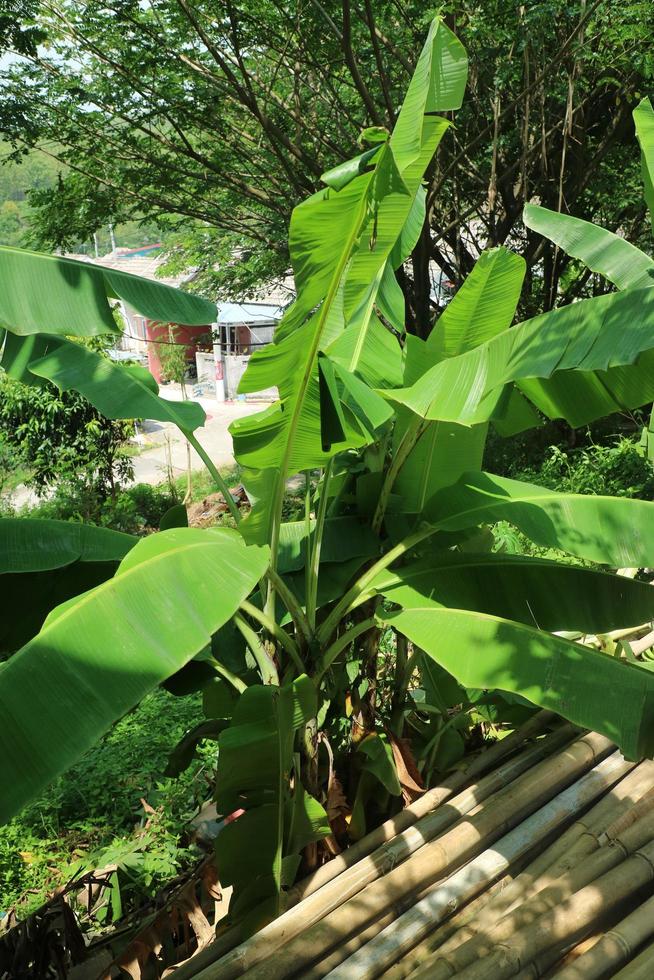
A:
x: 249, y: 313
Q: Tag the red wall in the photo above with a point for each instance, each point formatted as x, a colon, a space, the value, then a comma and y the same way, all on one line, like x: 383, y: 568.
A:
x: 189, y: 336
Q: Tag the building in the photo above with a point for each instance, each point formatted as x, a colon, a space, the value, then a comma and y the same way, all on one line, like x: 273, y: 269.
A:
x: 217, y: 352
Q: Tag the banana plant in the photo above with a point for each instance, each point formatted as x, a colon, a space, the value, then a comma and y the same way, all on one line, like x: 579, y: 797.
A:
x: 333, y: 649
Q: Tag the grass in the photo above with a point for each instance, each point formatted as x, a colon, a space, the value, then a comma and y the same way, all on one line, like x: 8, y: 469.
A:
x: 94, y: 814
x: 202, y: 484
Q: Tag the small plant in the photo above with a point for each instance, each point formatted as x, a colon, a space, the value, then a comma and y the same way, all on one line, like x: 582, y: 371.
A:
x: 94, y: 815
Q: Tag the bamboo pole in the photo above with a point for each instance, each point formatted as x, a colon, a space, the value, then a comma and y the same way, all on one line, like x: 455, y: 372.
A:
x: 426, y: 949
x: 634, y: 813
x: 601, y: 862
x: 557, y: 953
x: 572, y: 919
x: 475, y: 916
x: 575, y: 843
x: 641, y: 968
x: 323, y: 967
x: 466, y: 924
x: 618, y: 810
x: 433, y: 861
x: 401, y: 935
x: 432, y: 799
x: 615, y: 947
x: 351, y: 881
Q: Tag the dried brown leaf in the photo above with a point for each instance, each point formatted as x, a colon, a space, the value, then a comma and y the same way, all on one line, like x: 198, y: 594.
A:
x: 407, y: 771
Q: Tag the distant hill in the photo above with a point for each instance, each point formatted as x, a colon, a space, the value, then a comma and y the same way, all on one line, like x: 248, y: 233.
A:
x: 37, y: 171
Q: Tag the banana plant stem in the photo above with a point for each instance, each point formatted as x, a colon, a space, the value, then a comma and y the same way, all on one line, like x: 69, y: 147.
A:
x: 264, y: 663
x: 307, y: 540
x: 276, y: 632
x: 291, y: 602
x: 351, y: 597
x: 314, y: 569
x: 235, y: 681
x: 339, y: 645
x: 220, y: 483
x: 412, y: 433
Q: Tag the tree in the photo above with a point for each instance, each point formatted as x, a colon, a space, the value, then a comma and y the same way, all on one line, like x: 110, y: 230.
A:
x: 217, y: 121
x: 60, y: 437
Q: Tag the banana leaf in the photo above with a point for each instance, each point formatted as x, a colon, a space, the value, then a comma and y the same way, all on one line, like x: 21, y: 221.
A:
x: 107, y: 649
x: 548, y: 595
x: 588, y: 336
x: 483, y: 307
x: 644, y: 122
x: 50, y: 294
x: 117, y: 391
x: 614, y: 531
x: 591, y: 689
x: 44, y: 563
x: 602, y: 251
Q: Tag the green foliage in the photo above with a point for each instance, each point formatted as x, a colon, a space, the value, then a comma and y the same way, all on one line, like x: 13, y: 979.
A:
x: 60, y: 437
x: 228, y: 186
x: 288, y: 627
x: 94, y: 813
x: 620, y: 469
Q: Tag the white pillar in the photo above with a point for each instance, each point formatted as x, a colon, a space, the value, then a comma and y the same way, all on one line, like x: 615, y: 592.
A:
x: 219, y: 364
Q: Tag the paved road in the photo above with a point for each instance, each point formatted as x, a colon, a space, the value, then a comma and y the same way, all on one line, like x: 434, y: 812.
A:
x: 150, y: 466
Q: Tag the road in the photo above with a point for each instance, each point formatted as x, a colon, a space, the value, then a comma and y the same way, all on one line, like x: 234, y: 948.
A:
x: 169, y: 445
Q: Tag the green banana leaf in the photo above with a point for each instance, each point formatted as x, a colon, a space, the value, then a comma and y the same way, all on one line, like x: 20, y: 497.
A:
x: 441, y: 456
x: 29, y: 544
x: 582, y: 337
x: 589, y: 688
x: 44, y: 563
x: 343, y: 538
x: 372, y: 352
x: 340, y: 242
x: 582, y: 397
x: 256, y: 852
x: 116, y: 390
x: 613, y: 531
x: 99, y: 657
x: 548, y: 595
x: 483, y: 307
x: 602, y: 251
x: 50, y: 294
x: 644, y: 122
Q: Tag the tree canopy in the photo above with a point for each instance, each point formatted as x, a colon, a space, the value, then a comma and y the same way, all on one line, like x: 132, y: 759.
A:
x: 215, y: 119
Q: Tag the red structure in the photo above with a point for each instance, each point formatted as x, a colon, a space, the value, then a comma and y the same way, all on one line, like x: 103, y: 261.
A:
x: 157, y: 333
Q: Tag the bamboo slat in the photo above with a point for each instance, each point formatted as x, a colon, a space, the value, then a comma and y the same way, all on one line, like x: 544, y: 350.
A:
x: 572, y: 919
x: 615, y: 947
x: 403, y: 933
x: 587, y: 871
x: 398, y: 888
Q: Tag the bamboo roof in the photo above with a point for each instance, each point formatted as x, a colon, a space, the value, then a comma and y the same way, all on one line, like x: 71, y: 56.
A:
x: 536, y: 862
